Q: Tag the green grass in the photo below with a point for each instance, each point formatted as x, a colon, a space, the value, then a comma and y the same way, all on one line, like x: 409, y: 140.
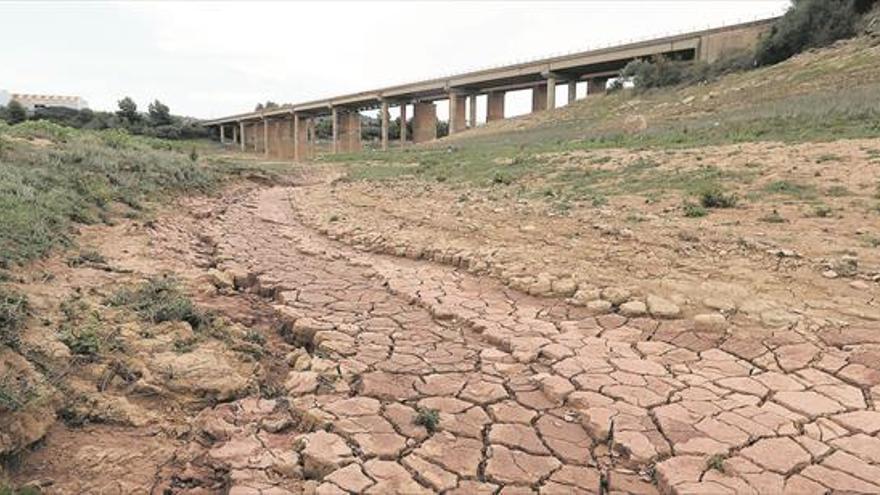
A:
x: 161, y: 299
x: 53, y: 177
x: 790, y: 188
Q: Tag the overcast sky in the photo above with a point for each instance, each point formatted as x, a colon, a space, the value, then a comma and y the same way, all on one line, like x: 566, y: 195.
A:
x: 208, y: 59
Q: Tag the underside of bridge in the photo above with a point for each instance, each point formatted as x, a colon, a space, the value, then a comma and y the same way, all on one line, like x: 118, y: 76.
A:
x: 289, y: 132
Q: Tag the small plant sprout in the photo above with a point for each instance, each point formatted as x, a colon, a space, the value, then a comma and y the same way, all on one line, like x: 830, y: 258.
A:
x: 429, y: 418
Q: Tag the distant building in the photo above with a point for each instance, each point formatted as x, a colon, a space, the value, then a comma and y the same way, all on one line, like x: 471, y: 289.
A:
x: 33, y: 102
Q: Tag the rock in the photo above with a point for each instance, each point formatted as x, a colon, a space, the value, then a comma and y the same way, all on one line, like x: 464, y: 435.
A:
x: 710, y: 322
x: 542, y: 286
x: 688, y: 100
x: 599, y: 307
x: 662, y: 308
x: 206, y: 372
x: 221, y: 279
x: 616, y: 295
x: 633, y: 309
x: 564, y: 287
x: 829, y: 274
x: 584, y: 296
x: 859, y: 285
x: 323, y: 453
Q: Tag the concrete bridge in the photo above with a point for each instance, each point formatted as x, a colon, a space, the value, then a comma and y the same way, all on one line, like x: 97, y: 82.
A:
x: 288, y: 132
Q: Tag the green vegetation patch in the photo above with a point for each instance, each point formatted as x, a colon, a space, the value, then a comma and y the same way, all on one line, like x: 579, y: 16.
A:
x: 162, y: 299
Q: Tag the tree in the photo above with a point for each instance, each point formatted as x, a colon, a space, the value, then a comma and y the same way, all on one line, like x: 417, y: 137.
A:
x: 266, y: 106
x: 128, y: 109
x: 15, y: 112
x: 160, y: 114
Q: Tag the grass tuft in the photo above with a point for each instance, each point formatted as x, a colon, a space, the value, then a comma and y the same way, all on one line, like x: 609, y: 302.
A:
x: 429, y: 418
x: 161, y: 299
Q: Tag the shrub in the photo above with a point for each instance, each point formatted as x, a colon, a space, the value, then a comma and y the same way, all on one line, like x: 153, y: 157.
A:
x: 13, y: 311
x: 693, y: 210
x: 716, y: 198
x: 661, y: 71
x: 161, y: 299
x: 809, y: 24
x: 83, y: 340
x: 15, y: 113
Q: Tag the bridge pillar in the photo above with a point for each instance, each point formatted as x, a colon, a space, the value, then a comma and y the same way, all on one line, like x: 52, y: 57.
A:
x: 334, y: 125
x: 311, y: 136
x: 383, y: 114
x: 539, y: 98
x: 596, y: 85
x: 349, y: 132
x: 572, y: 91
x: 403, y: 124
x: 222, y: 134
x: 457, y: 114
x: 242, y: 136
x: 424, y: 122
x: 265, y: 136
x: 234, y: 134
x: 495, y: 106
x: 472, y: 110
x: 285, y: 138
x: 551, y: 93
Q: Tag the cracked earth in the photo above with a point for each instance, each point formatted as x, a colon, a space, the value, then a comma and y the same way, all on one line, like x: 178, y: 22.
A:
x: 531, y: 394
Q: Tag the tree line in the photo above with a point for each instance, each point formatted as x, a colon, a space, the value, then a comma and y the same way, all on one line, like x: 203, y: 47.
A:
x: 157, y: 121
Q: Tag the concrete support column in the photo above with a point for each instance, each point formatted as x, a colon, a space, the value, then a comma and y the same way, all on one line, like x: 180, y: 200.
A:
x: 495, y: 106
x: 349, y: 132
x: 235, y: 134
x: 383, y: 114
x: 424, y: 122
x: 472, y: 110
x: 222, y: 134
x: 403, y: 124
x: 297, y: 147
x: 457, y: 113
x: 539, y: 98
x: 242, y: 136
x: 265, y: 136
x: 551, y: 93
x: 572, y: 92
x: 334, y: 123
x: 597, y: 85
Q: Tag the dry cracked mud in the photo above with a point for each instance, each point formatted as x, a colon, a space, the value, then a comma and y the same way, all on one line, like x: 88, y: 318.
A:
x: 408, y: 376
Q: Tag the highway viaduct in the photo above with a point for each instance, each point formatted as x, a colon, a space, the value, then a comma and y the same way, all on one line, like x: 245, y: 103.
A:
x: 288, y: 132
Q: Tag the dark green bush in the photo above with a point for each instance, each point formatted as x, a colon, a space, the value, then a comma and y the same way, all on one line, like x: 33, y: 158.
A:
x: 716, y: 198
x: 661, y: 71
x: 810, y: 24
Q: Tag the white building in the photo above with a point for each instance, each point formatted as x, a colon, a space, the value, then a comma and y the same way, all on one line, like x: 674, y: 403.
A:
x: 33, y: 102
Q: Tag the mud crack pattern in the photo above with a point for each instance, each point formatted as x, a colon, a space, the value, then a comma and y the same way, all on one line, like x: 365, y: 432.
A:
x: 532, y: 395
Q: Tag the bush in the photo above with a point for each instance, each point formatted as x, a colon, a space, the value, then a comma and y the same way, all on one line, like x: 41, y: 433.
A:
x: 810, y: 24
x: 161, y: 299
x: 716, y: 198
x: 661, y: 71
x: 13, y: 311
x: 693, y: 210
